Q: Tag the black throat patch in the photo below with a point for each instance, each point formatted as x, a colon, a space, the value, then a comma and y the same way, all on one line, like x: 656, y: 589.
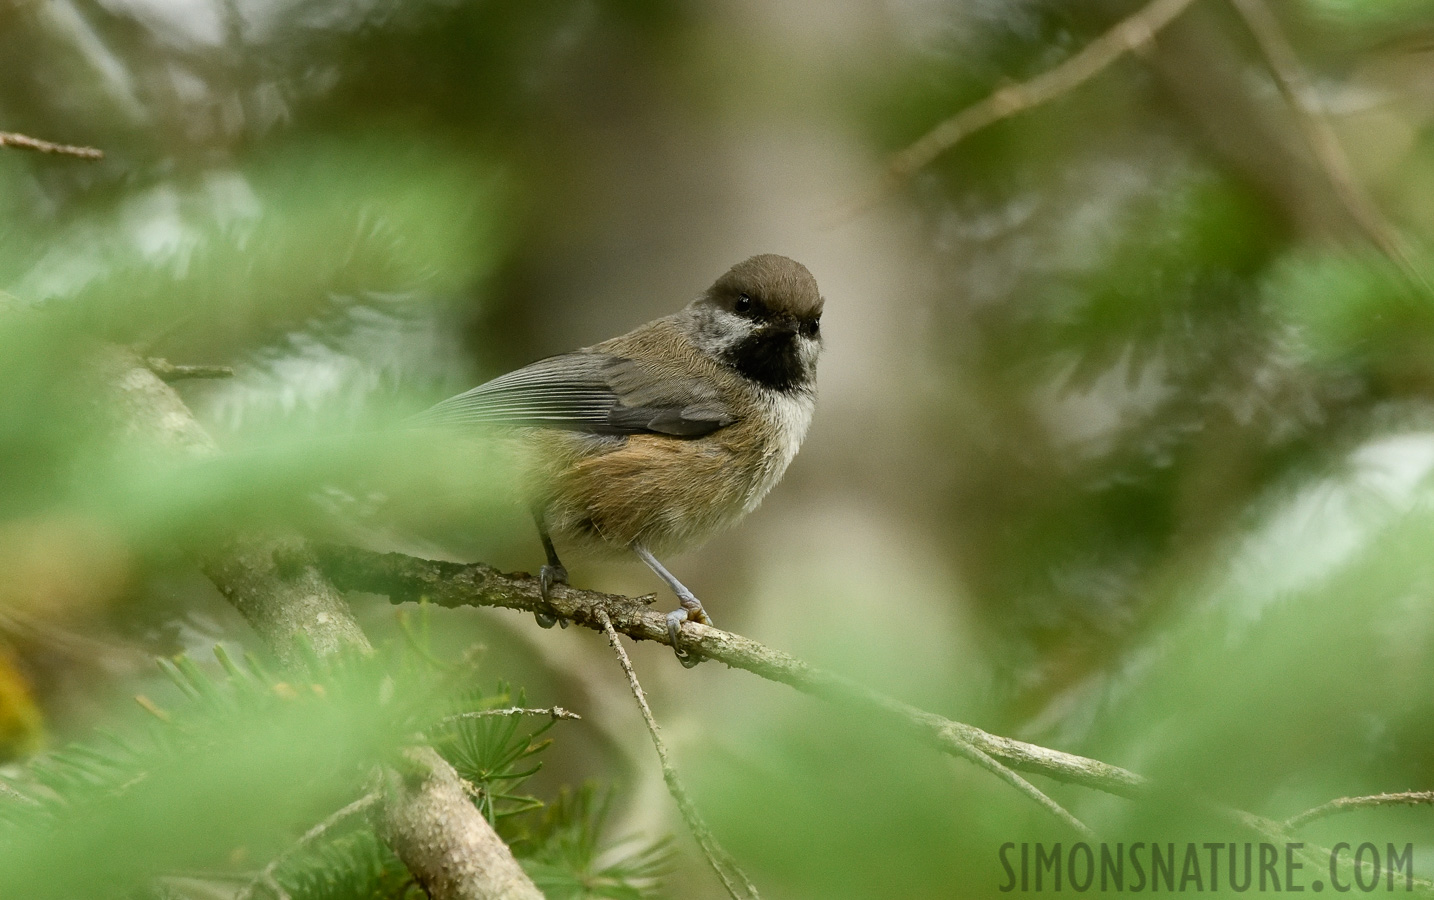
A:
x: 769, y: 358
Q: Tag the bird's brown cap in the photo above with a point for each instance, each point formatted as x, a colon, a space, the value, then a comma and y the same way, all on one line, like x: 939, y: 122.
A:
x: 782, y: 285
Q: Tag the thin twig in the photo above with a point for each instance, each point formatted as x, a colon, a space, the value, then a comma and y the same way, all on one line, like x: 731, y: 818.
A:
x: 1008, y: 775
x: 736, y: 882
x: 168, y: 371
x: 266, y: 875
x: 11, y: 139
x: 1314, y: 123
x: 555, y: 712
x: 1345, y: 804
x: 1130, y: 34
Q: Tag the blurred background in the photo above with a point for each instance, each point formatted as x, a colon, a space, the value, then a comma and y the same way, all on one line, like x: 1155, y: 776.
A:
x: 1124, y: 442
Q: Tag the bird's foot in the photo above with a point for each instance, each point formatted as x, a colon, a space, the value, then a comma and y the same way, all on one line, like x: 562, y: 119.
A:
x: 691, y: 611
x: 547, y: 577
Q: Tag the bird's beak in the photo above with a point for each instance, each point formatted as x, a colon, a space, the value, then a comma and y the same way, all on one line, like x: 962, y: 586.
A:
x: 784, y: 325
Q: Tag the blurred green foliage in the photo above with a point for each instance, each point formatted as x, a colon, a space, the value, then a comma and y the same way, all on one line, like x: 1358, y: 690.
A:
x: 1119, y: 406
x: 240, y: 758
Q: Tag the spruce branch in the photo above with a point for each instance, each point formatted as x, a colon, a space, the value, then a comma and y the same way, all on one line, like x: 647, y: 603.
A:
x: 290, y: 608
x: 426, y: 817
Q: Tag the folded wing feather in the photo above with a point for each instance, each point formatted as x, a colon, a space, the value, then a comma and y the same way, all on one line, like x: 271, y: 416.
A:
x: 588, y: 391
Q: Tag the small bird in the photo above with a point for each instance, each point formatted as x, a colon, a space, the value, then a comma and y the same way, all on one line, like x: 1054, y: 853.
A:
x: 651, y: 442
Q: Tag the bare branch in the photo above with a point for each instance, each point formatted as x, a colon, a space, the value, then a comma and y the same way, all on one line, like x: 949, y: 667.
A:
x: 1345, y: 804
x: 738, y: 885
x: 406, y: 578
x: 25, y: 142
x: 436, y: 830
x: 1295, y: 85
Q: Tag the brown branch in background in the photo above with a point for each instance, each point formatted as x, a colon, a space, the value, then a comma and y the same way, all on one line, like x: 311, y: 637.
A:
x: 1328, y: 152
x: 738, y: 885
x: 1346, y: 804
x: 168, y: 371
x: 1133, y: 33
x: 25, y: 142
x: 1130, y: 34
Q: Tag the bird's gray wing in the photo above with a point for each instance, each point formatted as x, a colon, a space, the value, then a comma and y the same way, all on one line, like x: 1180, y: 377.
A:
x: 588, y: 391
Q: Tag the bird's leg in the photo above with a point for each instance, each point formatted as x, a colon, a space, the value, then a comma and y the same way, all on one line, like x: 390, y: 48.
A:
x: 551, y: 574
x: 690, y: 610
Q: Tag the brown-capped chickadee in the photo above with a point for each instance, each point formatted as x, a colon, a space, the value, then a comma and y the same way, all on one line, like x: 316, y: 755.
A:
x: 653, y: 441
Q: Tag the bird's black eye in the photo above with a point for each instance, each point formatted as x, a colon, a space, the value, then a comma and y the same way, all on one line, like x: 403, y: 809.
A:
x: 743, y: 304
x: 812, y: 327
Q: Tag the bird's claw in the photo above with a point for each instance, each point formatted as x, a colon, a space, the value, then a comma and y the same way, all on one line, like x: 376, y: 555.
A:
x: 689, y: 612
x: 547, y: 577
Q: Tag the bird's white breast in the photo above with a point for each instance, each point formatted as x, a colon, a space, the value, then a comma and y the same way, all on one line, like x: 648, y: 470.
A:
x: 791, y: 412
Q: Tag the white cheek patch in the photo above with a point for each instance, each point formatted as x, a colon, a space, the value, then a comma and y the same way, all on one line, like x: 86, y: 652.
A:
x: 720, y: 330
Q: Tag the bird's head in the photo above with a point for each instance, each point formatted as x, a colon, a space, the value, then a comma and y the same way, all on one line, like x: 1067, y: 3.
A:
x: 762, y: 318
